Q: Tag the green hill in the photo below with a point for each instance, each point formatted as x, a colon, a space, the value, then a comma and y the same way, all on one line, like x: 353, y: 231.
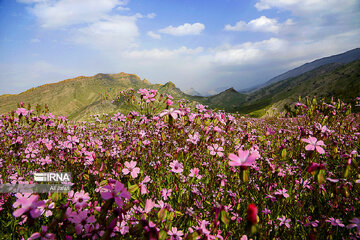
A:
x: 227, y: 100
x: 72, y: 96
x: 331, y: 80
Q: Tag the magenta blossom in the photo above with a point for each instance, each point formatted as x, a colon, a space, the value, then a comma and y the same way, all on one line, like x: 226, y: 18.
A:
x: 284, y: 221
x: 43, y: 234
x: 29, y: 203
x: 355, y: 222
x: 117, y: 192
x: 143, y: 189
x: 172, y: 112
x: 243, y: 158
x: 82, y: 220
x: 166, y: 193
x: 194, y: 172
x: 80, y: 199
x: 169, y: 102
x: 216, y: 149
x: 176, y: 167
x: 194, y: 138
x: 282, y: 192
x: 22, y: 111
x: 335, y: 222
x: 175, y: 234
x: 313, y: 144
x: 131, y: 168
x: 149, y: 204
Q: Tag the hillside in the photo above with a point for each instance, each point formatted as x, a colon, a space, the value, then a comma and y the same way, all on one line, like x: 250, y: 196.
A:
x: 227, y: 100
x: 82, y: 95
x: 337, y: 80
x: 343, y: 58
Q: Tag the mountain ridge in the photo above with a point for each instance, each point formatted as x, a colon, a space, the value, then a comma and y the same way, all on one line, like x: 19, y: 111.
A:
x: 83, y: 95
x: 344, y: 58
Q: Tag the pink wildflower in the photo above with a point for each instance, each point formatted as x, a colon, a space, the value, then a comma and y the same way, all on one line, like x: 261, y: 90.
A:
x: 313, y: 144
x: 355, y: 222
x: 266, y: 211
x: 21, y: 111
x: 143, y: 189
x: 195, y: 173
x: 118, y: 192
x: 130, y: 168
x: 169, y: 102
x: 194, y: 138
x: 243, y: 159
x: 45, y: 160
x: 172, y: 112
x: 82, y: 220
x: 282, y: 192
x: 43, y: 234
x: 149, y: 204
x: 202, y: 227
x: 216, y: 149
x: 176, y: 167
x: 284, y: 221
x: 80, y: 199
x: 175, y: 234
x: 335, y: 222
x: 166, y: 193
x: 29, y: 203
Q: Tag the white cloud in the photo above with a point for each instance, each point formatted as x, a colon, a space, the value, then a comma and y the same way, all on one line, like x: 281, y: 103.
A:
x: 247, y: 53
x: 185, y: 29
x: 308, y: 6
x: 62, y: 13
x: 120, y: 8
x: 122, y: 4
x: 162, y: 53
x: 154, y: 35
x: 261, y: 24
x: 151, y: 15
x: 111, y: 34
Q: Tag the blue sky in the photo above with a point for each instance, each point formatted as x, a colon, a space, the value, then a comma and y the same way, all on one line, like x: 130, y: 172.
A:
x: 201, y: 44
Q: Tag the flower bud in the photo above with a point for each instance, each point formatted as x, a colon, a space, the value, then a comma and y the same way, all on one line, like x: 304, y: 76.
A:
x: 252, y: 214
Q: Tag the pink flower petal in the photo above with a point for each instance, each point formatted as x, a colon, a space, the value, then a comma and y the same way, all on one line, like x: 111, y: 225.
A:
x: 119, y: 201
x: 310, y: 147
x: 106, y: 195
x: 305, y: 140
x: 19, y: 212
x: 320, y: 150
x: 35, y: 235
x: 234, y: 157
x: 243, y: 155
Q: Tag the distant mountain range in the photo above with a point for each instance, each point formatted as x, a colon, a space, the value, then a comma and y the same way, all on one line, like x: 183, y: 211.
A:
x: 344, y: 58
x: 192, y: 92
x: 80, y: 97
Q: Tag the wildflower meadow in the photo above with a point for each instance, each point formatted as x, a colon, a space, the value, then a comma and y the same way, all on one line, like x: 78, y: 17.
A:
x: 172, y: 169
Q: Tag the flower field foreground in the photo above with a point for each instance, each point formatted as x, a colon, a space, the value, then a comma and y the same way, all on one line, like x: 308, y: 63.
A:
x: 184, y: 173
